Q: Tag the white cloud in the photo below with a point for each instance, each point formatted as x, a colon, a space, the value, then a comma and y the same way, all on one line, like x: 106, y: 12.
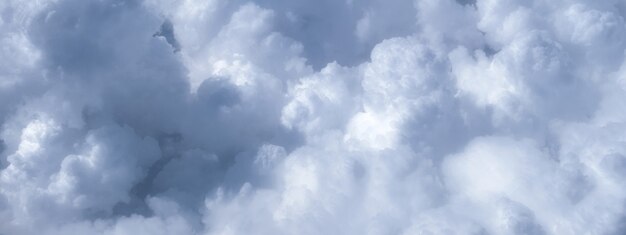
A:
x: 312, y: 117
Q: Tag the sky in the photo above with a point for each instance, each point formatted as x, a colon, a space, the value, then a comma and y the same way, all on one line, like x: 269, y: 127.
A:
x: 200, y: 117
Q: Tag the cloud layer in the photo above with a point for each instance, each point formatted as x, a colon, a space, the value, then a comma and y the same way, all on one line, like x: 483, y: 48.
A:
x: 312, y: 117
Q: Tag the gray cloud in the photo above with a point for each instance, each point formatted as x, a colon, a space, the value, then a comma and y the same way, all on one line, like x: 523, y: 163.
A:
x: 312, y: 117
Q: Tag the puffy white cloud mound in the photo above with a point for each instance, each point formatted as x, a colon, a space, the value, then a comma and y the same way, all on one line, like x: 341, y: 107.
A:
x: 312, y: 117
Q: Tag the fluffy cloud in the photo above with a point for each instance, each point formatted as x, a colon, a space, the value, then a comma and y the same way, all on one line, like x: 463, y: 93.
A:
x: 312, y: 117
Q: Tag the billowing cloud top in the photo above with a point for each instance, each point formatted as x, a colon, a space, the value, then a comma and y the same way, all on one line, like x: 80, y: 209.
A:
x: 132, y: 117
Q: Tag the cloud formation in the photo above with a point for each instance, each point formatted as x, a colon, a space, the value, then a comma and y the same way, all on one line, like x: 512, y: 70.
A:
x: 312, y: 117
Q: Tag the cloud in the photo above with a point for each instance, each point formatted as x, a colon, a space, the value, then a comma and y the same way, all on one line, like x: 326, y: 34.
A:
x: 312, y: 117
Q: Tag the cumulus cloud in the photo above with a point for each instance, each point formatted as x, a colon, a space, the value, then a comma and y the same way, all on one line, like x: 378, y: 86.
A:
x: 312, y: 117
